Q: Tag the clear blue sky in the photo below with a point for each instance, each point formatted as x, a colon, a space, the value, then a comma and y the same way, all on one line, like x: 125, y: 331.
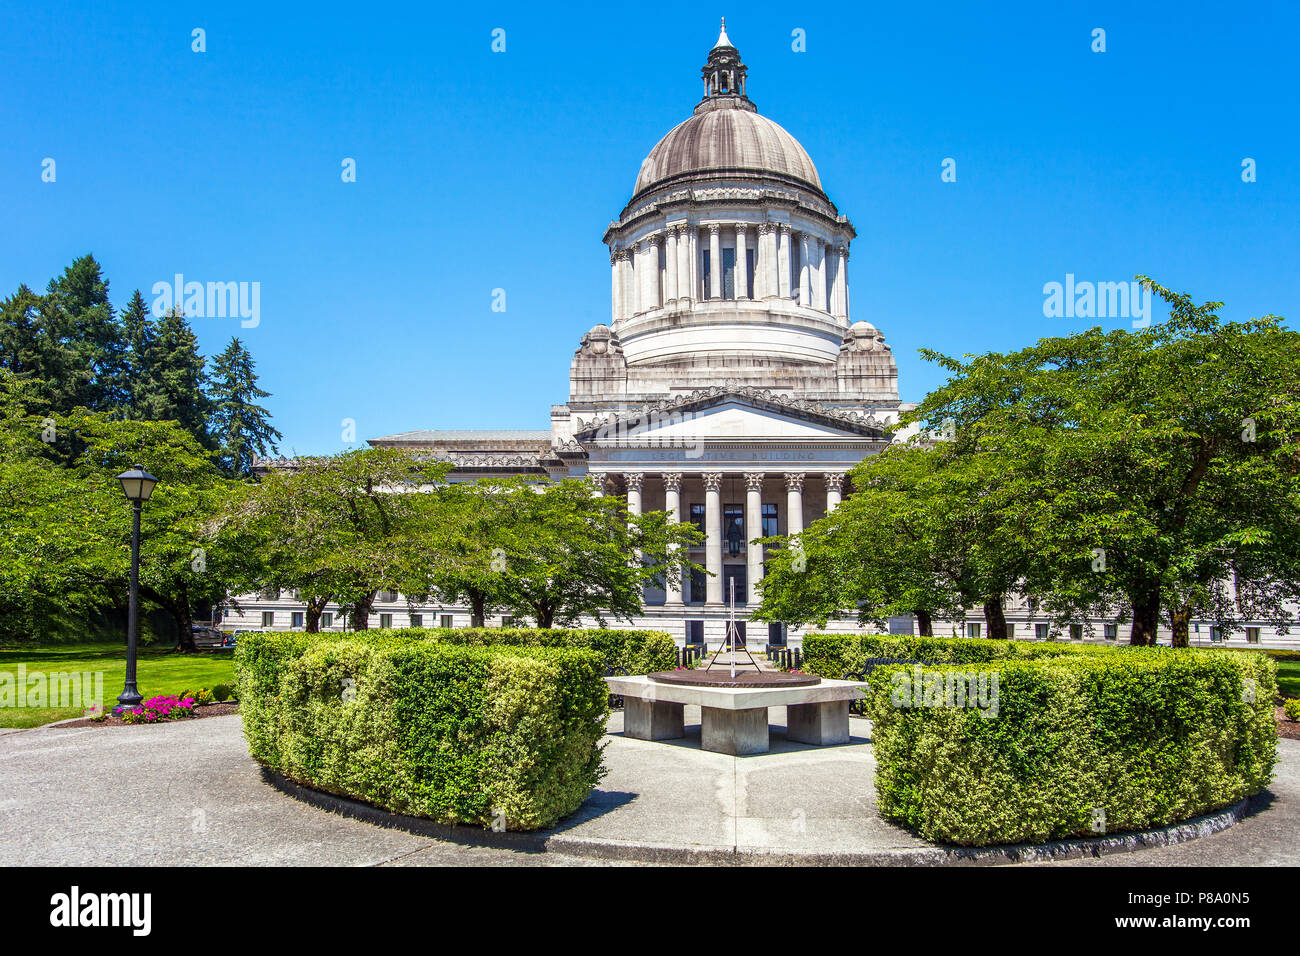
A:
x: 478, y: 170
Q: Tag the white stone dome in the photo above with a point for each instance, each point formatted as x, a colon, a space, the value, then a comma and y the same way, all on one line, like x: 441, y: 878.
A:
x: 725, y: 139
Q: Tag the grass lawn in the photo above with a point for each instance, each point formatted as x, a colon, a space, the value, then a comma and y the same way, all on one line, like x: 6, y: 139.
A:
x: 158, y: 671
x: 1288, y: 675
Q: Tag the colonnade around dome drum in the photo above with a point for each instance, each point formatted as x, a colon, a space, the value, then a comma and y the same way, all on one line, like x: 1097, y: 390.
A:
x: 690, y: 262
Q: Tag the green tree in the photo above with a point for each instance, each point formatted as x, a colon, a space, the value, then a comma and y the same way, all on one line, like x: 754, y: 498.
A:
x: 568, y: 552
x: 139, y: 334
x: 173, y: 386
x: 334, y: 528
x: 1145, y: 468
x: 89, y: 325
x: 240, y: 428
x: 65, y: 529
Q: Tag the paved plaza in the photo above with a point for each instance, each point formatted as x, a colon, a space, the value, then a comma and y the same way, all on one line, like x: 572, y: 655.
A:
x: 188, y: 793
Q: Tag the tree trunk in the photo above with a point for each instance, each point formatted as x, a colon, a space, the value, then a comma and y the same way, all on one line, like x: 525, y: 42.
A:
x: 1179, y: 621
x: 925, y: 623
x: 995, y: 618
x: 315, y: 608
x: 544, y: 617
x: 477, y: 609
x: 1146, y: 618
x: 359, y: 613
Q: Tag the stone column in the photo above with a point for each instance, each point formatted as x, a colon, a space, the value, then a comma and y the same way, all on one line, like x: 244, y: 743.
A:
x: 805, y: 269
x: 834, y: 489
x: 693, y: 238
x: 753, y: 529
x: 652, y: 258
x: 794, y: 502
x: 673, y: 505
x: 628, y: 278
x: 841, y: 304
x: 685, y: 287
x: 639, y: 270
x: 783, y: 263
x: 634, y: 481
x: 670, y: 265
x: 819, y: 275
x: 742, y: 263
x: 615, y: 287
x: 713, y: 536
x: 597, y: 480
x: 715, y: 261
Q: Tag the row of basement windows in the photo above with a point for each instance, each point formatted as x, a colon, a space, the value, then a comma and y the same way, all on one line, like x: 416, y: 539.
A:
x: 299, y: 619
x: 1109, y: 631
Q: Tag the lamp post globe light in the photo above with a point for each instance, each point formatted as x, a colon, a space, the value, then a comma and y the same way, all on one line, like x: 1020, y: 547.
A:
x: 137, y: 485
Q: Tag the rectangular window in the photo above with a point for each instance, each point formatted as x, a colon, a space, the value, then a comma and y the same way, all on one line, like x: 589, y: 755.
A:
x: 1111, y: 631
x: 698, y: 517
x: 1216, y: 634
x: 728, y: 273
x: 1011, y: 631
x: 1076, y: 632
x: 776, y: 634
x: 446, y: 621
x: 327, y: 619
x: 733, y: 573
x: 268, y: 619
x: 733, y: 533
x: 296, y: 619
x: 385, y: 621
x: 507, y: 621
x: 698, y: 587
x: 749, y: 272
x: 271, y: 594
x: 707, y: 272
x: 795, y: 269
x: 973, y: 629
x: 770, y: 521
x: 1252, y: 635
x: 388, y: 597
x: 417, y: 620
x: 694, y: 632
x: 1040, y: 632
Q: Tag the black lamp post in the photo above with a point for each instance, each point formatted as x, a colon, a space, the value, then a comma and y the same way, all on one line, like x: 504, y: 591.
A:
x: 137, y: 485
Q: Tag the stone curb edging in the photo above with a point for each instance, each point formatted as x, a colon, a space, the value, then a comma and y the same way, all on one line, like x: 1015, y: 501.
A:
x: 655, y: 853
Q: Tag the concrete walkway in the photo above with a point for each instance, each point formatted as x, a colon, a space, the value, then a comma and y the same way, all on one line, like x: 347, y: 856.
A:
x: 188, y: 793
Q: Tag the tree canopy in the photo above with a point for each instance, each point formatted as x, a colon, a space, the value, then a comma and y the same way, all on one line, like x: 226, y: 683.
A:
x: 1150, y: 471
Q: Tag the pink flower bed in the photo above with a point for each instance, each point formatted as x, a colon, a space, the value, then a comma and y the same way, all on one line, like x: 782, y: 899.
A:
x: 156, y: 709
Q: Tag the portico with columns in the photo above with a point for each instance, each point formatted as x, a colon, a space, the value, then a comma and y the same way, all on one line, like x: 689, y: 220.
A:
x: 740, y: 464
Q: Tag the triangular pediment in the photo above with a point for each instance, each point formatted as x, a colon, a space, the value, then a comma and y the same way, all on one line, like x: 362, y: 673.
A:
x: 732, y: 413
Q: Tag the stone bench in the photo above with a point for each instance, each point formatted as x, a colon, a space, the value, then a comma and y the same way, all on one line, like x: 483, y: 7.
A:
x: 734, y: 719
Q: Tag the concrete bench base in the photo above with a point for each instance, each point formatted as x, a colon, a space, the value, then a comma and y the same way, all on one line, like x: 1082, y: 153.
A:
x: 735, y: 719
x: 735, y: 732
x: 822, y: 724
x: 653, y: 719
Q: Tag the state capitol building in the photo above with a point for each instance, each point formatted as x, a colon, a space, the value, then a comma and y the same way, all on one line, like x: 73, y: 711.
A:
x: 731, y: 385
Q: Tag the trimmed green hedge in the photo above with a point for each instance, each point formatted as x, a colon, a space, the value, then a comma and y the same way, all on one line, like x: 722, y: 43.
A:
x: 455, y: 733
x: 831, y: 655
x: 637, y: 652
x: 1081, y: 744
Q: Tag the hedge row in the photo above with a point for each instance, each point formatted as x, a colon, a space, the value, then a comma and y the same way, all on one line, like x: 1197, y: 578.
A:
x: 1071, y: 745
x: 636, y: 652
x: 831, y: 655
x: 455, y: 733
